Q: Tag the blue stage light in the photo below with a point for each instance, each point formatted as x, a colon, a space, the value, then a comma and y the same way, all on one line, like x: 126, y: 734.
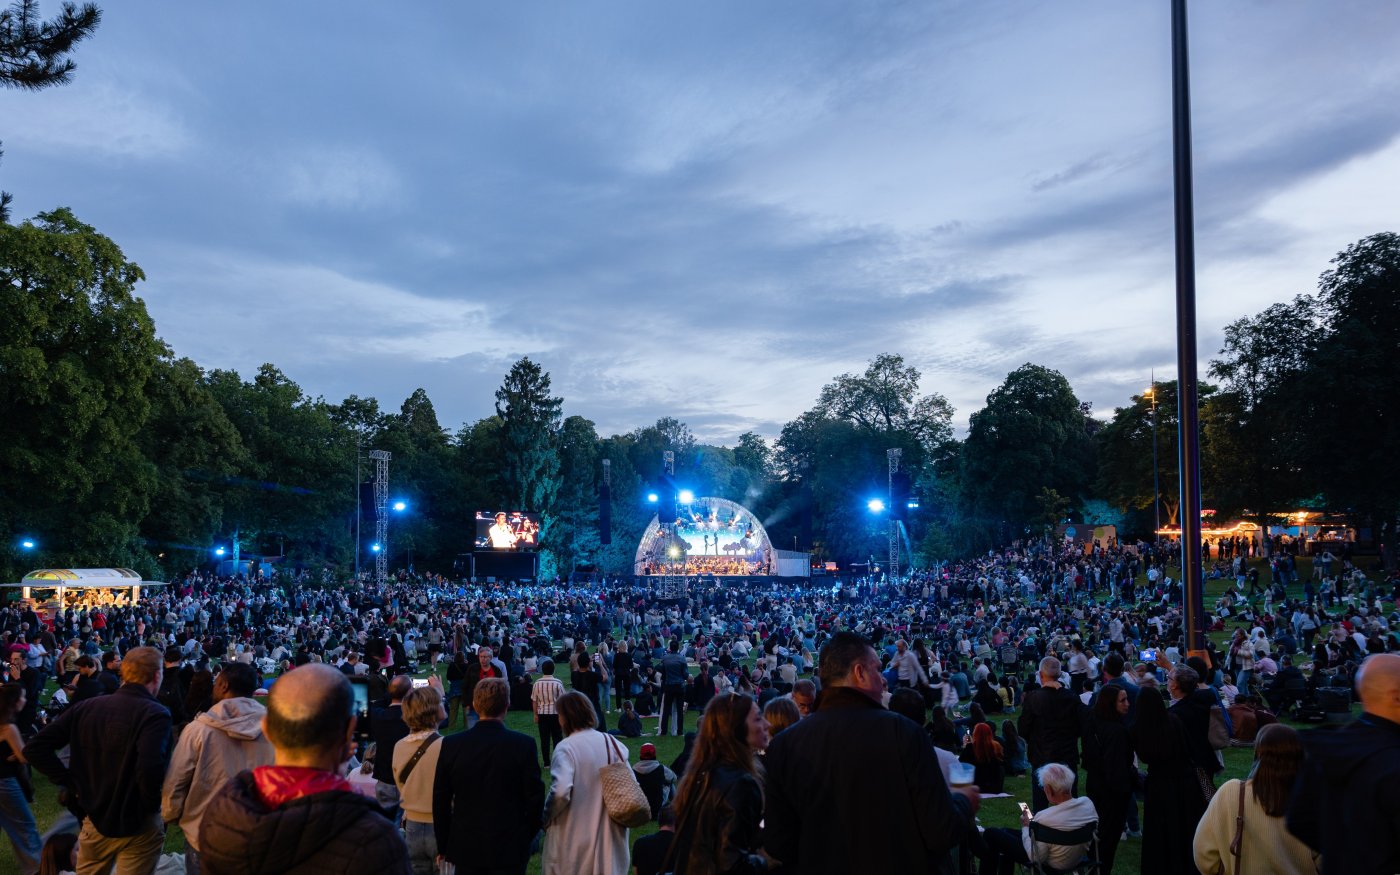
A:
x: 400, y: 506
x: 653, y: 498
x: 218, y: 551
x: 27, y: 544
x: 875, y: 505
x: 686, y: 496
x: 374, y: 548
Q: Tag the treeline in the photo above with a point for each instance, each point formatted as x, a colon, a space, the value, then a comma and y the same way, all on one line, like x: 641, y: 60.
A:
x: 116, y: 451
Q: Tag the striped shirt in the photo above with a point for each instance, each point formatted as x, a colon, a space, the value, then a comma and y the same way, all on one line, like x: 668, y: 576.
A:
x: 544, y: 693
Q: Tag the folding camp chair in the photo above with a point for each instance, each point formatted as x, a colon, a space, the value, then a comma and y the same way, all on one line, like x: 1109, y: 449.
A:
x: 1084, y: 835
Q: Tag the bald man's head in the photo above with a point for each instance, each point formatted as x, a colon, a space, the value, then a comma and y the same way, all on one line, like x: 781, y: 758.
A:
x: 1378, y: 685
x: 310, y: 709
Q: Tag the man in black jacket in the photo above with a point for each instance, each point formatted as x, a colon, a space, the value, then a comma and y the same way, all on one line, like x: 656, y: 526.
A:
x: 1346, y: 803
x: 487, y: 793
x: 387, y: 728
x: 857, y: 788
x: 119, y: 748
x: 172, y: 689
x: 300, y: 815
x: 1052, y: 720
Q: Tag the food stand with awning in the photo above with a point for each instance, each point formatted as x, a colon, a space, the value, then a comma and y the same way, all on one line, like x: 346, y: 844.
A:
x: 53, y: 589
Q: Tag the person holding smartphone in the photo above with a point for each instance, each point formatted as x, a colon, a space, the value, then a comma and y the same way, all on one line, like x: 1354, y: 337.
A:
x: 1001, y: 850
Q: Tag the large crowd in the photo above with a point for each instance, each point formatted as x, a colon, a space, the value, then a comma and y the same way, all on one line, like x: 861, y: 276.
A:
x: 845, y: 726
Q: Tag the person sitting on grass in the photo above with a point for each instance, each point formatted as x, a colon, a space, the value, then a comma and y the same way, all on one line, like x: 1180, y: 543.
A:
x: 629, y: 725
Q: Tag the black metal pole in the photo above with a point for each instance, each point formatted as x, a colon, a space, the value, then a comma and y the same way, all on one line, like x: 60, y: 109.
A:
x: 1192, y: 582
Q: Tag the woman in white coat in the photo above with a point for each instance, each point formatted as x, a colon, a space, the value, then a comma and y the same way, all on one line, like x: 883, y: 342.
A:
x: 579, y: 838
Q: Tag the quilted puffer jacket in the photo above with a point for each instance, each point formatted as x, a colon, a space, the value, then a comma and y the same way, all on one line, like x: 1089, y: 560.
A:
x: 285, y: 821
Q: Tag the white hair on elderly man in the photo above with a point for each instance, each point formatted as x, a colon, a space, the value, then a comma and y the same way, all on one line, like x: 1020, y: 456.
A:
x: 1057, y: 777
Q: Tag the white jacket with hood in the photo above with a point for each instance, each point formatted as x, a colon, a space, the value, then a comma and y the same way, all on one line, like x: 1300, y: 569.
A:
x: 215, y: 746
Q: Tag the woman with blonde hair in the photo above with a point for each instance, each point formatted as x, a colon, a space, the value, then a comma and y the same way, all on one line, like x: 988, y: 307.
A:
x: 719, y: 803
x: 415, y: 759
x: 1264, y: 842
x: 579, y: 836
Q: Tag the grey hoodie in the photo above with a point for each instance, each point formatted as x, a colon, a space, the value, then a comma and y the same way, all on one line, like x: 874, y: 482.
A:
x: 215, y: 746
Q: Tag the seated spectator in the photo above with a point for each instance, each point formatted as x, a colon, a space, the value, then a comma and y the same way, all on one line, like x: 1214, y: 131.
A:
x: 986, y: 756
x: 629, y: 725
x: 1247, y: 718
x: 1002, y: 849
x: 649, y: 853
x: 300, y: 814
x: 1014, y: 750
x: 658, y: 782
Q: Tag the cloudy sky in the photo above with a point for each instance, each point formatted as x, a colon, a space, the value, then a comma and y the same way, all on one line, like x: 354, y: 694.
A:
x: 708, y: 210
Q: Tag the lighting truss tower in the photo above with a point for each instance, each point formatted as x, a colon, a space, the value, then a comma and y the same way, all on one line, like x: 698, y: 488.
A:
x: 893, y: 454
x: 381, y: 513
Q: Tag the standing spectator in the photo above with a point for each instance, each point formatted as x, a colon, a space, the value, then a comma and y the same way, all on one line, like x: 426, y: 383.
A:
x: 674, y: 675
x: 579, y: 836
x: 1345, y: 804
x: 804, y: 696
x: 300, y: 815
x: 487, y: 794
x: 1173, y: 799
x: 1266, y: 844
x: 1108, y: 759
x: 214, y: 747
x: 780, y: 714
x: 32, y: 682
x: 838, y: 804
x: 387, y: 727
x: 456, y: 676
x: 622, y: 670
x: 172, y: 691
x: 719, y: 803
x: 544, y: 699
x: 119, y: 748
x: 485, y: 666
x: 415, y: 759
x: 15, y: 817
x: 1051, y: 722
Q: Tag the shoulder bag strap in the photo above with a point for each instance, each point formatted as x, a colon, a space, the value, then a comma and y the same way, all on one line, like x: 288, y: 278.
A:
x: 1235, y: 845
x: 417, y: 755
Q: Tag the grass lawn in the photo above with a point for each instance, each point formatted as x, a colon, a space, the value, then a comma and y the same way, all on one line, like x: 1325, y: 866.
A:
x: 994, y: 812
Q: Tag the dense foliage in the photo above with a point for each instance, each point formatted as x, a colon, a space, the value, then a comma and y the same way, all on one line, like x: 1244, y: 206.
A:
x: 119, y: 452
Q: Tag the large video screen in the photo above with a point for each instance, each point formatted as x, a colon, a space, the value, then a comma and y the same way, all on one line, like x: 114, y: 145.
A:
x: 507, y: 530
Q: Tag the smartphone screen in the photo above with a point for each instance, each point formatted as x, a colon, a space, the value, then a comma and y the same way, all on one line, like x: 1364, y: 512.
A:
x: 420, y: 682
x: 361, y: 694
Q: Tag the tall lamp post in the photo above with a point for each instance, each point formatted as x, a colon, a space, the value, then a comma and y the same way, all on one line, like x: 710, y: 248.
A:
x: 1188, y: 431
x: 1151, y: 394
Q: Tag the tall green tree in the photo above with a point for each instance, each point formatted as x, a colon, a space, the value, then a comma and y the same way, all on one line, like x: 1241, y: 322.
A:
x: 1352, y: 386
x: 298, y: 484
x: 77, y: 352
x: 1030, y: 436
x: 36, y: 54
x: 574, y: 536
x: 1253, y: 462
x: 529, y: 445
x: 197, y: 453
